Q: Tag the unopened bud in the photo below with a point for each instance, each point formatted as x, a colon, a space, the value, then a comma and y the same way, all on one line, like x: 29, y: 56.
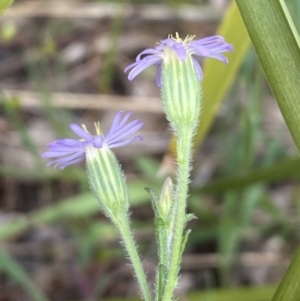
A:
x: 165, y: 201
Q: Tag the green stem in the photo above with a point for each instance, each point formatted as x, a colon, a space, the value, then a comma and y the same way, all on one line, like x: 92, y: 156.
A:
x: 131, y: 248
x: 184, y: 150
x: 162, y: 242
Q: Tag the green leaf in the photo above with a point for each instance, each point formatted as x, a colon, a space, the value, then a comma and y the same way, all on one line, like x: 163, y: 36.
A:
x: 189, y: 217
x: 287, y: 169
x: 9, y: 266
x: 289, y: 287
x: 154, y: 199
x: 218, y: 77
x: 276, y: 44
x: 4, y: 4
x: 162, y: 273
x: 184, y: 240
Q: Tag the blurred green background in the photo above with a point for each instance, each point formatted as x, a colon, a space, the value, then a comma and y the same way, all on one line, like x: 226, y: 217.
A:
x: 63, y: 62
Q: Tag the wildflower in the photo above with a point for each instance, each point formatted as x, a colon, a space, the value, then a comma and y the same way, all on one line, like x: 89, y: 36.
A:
x: 212, y: 46
x: 71, y: 151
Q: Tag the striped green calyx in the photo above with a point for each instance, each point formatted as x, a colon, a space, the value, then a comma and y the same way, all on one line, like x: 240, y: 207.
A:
x: 107, y: 181
x: 181, y: 90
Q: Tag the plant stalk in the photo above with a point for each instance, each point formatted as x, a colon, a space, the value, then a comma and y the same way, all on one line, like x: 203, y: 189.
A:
x: 131, y: 248
x: 184, y: 152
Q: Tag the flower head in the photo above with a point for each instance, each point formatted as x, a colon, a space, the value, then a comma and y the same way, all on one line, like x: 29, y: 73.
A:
x: 71, y: 151
x: 212, y: 46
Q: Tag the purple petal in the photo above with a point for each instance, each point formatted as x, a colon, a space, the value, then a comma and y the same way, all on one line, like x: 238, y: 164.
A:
x: 208, y: 40
x: 98, y: 141
x: 142, y: 65
x: 180, y: 51
x: 116, y: 122
x: 220, y: 57
x: 165, y: 43
x: 131, y: 66
x: 219, y: 47
x: 74, y: 161
x: 125, y: 119
x: 126, y: 142
x: 198, y: 50
x: 61, y: 152
x: 115, y: 129
x: 158, y: 76
x: 63, y: 162
x: 78, y: 130
x: 149, y: 51
x: 213, y: 52
x: 212, y: 49
x: 198, y: 69
x: 125, y: 131
x: 65, y: 142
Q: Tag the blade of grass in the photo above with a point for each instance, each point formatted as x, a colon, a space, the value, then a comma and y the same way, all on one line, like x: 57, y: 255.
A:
x: 4, y: 5
x: 289, y: 19
x: 9, y: 266
x: 108, y: 69
x: 275, y: 42
x: 283, y: 170
x: 289, y: 287
x: 11, y: 107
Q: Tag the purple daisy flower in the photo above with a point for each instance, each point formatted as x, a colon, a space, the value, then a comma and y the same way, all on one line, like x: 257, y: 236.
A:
x: 71, y: 151
x: 212, y: 46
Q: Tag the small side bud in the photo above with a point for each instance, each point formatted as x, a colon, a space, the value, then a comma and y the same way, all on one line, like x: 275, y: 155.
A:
x: 107, y: 180
x: 165, y: 201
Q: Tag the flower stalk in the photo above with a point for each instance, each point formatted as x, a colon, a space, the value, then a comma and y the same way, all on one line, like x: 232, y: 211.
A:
x: 184, y: 155
x: 108, y: 184
x: 178, y: 76
x: 106, y: 178
x: 123, y: 226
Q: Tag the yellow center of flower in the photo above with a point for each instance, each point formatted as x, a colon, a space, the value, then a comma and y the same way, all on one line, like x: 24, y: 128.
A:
x: 97, y: 128
x: 187, y: 39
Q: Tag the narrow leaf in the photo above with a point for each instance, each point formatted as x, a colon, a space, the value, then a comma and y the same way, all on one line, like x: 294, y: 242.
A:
x: 9, y: 266
x: 286, y: 169
x: 289, y: 287
x: 275, y: 42
x: 4, y: 4
x: 162, y: 273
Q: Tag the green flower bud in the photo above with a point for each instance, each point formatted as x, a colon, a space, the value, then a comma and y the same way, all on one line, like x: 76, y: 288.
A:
x: 107, y: 180
x: 165, y: 201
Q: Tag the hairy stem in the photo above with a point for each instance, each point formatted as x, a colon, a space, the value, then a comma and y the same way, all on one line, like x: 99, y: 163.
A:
x: 131, y: 248
x: 184, y: 148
